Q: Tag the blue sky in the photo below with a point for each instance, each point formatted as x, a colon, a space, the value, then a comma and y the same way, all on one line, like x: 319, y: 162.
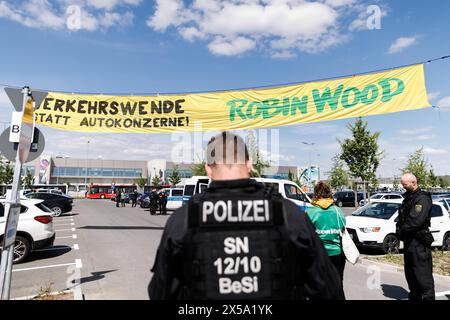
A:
x: 136, y: 46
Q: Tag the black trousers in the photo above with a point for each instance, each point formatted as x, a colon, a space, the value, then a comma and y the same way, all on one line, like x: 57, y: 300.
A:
x: 339, y: 262
x: 419, y: 270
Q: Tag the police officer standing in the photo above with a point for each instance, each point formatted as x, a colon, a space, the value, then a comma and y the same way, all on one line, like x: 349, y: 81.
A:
x: 240, y: 240
x: 413, y: 229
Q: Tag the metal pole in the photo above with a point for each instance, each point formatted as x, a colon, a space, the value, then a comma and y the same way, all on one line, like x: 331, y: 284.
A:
x: 12, y: 198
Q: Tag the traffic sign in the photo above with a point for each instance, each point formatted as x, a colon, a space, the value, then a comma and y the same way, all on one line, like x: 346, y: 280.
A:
x: 9, y: 149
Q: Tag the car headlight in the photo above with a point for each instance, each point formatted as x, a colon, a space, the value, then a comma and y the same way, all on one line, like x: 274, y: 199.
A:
x: 371, y: 229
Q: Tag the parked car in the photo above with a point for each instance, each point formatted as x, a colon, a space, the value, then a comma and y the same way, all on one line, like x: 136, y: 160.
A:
x: 54, y: 191
x: 445, y: 202
x: 347, y: 198
x: 59, y: 204
x: 34, y: 230
x: 381, y: 196
x: 373, y: 225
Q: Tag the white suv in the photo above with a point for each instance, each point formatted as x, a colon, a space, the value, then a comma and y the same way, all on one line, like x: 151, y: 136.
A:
x: 35, y: 229
x: 373, y: 225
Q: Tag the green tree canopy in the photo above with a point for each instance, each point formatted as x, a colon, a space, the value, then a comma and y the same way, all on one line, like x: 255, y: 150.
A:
x: 361, y: 152
x: 432, y: 180
x: 338, y: 175
x: 156, y: 182
x: 418, y: 166
x: 141, y: 182
x: 28, y: 180
x: 175, y: 177
x: 199, y: 169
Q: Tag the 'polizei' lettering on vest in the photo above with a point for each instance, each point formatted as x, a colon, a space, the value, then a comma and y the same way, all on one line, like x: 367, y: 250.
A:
x: 244, y: 211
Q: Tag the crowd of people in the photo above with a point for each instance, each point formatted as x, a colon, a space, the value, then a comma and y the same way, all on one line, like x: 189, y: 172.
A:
x: 239, y: 239
x: 158, y: 200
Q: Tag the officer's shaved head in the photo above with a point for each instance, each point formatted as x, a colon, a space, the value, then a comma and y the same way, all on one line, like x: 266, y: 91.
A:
x: 227, y: 157
x: 409, y: 182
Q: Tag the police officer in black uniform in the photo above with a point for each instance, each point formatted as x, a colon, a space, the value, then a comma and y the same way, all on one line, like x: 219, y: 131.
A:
x: 163, y: 202
x: 413, y: 229
x: 240, y: 240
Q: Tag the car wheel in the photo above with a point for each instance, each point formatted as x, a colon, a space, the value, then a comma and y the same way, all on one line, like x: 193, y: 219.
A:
x: 340, y: 204
x: 21, y: 249
x: 446, y: 242
x: 102, y: 196
x: 391, y: 244
x: 57, y: 211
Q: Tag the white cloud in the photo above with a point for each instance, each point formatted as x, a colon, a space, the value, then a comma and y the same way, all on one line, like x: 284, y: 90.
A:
x: 434, y: 152
x: 415, y: 131
x: 226, y: 47
x: 52, y: 14
x: 444, y: 103
x: 283, y: 27
x: 401, y: 44
x: 433, y: 95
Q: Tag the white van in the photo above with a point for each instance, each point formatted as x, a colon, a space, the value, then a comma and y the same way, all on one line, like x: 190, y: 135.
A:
x: 174, y: 198
x: 288, y: 189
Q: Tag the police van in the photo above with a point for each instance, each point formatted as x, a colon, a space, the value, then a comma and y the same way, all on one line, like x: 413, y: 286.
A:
x: 174, y: 198
x: 288, y: 189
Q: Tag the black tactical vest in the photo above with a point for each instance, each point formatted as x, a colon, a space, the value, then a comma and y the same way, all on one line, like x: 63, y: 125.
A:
x: 238, y: 248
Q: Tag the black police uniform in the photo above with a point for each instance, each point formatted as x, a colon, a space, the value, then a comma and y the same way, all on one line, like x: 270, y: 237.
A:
x: 238, y: 240
x: 163, y: 203
x: 413, y: 229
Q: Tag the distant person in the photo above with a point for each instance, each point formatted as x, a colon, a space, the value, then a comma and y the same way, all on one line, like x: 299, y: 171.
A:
x: 122, y: 199
x: 118, y: 198
x: 413, y: 228
x: 271, y: 243
x: 134, y: 199
x: 163, y: 203
x: 329, y: 221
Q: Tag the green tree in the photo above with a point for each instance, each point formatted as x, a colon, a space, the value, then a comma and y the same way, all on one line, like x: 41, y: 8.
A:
x: 199, y: 169
x: 361, y: 152
x: 432, y: 179
x: 417, y: 165
x: 175, y: 177
x: 443, y: 183
x: 156, y: 182
x: 6, y: 174
x: 28, y: 180
x: 338, y: 175
x: 141, y: 182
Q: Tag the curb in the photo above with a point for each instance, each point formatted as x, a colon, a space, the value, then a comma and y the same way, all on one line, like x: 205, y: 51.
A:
x: 395, y: 268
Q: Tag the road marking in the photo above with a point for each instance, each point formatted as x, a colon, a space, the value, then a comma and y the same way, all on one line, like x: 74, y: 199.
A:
x: 78, y: 263
x: 76, y: 247
x: 74, y: 236
x: 441, y: 294
x: 46, y: 267
x: 64, y: 224
x: 73, y: 229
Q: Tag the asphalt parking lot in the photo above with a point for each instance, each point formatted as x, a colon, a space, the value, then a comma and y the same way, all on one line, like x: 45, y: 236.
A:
x: 104, y: 252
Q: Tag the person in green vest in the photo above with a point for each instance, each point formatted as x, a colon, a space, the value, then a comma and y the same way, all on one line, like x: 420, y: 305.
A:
x: 329, y: 221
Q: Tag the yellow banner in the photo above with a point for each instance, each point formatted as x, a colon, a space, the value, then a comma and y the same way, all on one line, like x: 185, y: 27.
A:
x: 371, y: 94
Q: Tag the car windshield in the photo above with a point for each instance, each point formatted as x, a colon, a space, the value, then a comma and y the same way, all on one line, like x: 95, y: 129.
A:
x: 378, y: 210
x: 376, y: 196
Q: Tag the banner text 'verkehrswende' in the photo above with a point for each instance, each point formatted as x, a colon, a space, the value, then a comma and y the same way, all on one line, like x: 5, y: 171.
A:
x: 379, y: 93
